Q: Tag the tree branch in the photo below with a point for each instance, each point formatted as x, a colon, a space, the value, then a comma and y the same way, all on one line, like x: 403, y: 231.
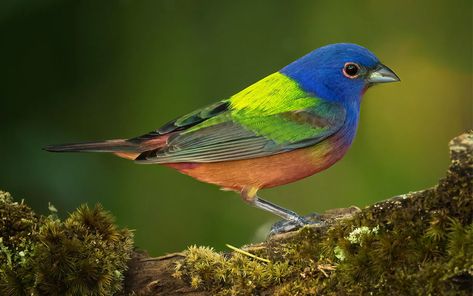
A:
x: 415, y: 244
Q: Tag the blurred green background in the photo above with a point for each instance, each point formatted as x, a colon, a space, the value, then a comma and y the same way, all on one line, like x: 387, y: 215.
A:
x: 90, y: 70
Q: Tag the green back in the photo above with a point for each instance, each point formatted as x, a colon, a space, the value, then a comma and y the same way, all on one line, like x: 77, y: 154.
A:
x: 269, y: 117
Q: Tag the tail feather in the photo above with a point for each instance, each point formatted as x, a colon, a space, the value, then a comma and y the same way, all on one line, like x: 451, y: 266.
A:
x: 118, y: 145
x: 129, y: 149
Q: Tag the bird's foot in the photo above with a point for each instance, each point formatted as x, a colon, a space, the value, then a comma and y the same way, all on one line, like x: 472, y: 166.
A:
x: 284, y: 226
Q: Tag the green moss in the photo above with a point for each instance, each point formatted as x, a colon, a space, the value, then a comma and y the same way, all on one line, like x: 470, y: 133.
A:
x: 238, y: 274
x: 416, y: 244
x: 86, y: 254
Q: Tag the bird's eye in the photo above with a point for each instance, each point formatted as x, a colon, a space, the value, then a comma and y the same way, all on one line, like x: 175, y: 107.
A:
x: 351, y: 70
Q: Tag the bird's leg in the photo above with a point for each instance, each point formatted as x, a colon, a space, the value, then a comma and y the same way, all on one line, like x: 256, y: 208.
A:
x: 293, y: 219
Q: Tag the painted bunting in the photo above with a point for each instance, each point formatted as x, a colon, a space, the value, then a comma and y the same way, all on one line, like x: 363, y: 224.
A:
x: 287, y: 126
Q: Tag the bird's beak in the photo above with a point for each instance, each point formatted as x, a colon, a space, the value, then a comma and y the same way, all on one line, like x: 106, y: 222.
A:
x: 382, y: 74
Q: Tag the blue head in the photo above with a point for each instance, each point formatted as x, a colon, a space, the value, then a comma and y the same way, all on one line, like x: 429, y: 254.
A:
x: 339, y: 72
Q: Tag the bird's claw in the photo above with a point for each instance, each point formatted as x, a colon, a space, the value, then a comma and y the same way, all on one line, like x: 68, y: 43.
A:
x: 284, y: 226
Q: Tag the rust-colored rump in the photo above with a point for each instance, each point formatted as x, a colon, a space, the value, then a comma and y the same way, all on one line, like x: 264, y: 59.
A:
x: 263, y: 172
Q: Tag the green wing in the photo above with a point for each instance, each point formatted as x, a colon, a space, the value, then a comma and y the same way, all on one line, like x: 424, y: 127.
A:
x: 270, y: 117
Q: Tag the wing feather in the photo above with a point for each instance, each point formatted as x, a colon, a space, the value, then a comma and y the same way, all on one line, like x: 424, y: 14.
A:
x: 272, y: 116
x: 258, y: 137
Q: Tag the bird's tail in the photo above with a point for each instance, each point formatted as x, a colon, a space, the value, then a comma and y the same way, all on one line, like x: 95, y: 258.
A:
x: 126, y: 148
x: 120, y: 147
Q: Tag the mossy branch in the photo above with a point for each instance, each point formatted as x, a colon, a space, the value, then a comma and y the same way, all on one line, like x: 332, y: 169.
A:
x: 415, y: 244
x: 418, y: 243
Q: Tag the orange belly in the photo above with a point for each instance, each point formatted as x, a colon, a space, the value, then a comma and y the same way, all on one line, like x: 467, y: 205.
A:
x: 265, y: 172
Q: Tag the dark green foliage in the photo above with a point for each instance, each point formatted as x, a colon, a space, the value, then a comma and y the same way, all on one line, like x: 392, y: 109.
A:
x: 86, y: 254
x: 416, y: 244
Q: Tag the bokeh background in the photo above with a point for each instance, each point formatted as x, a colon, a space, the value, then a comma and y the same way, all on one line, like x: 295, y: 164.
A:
x: 89, y: 70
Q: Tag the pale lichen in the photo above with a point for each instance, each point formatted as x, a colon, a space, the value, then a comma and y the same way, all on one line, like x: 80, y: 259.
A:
x: 359, y: 233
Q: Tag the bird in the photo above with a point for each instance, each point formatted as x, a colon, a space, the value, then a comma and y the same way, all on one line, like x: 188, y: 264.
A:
x: 292, y: 124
